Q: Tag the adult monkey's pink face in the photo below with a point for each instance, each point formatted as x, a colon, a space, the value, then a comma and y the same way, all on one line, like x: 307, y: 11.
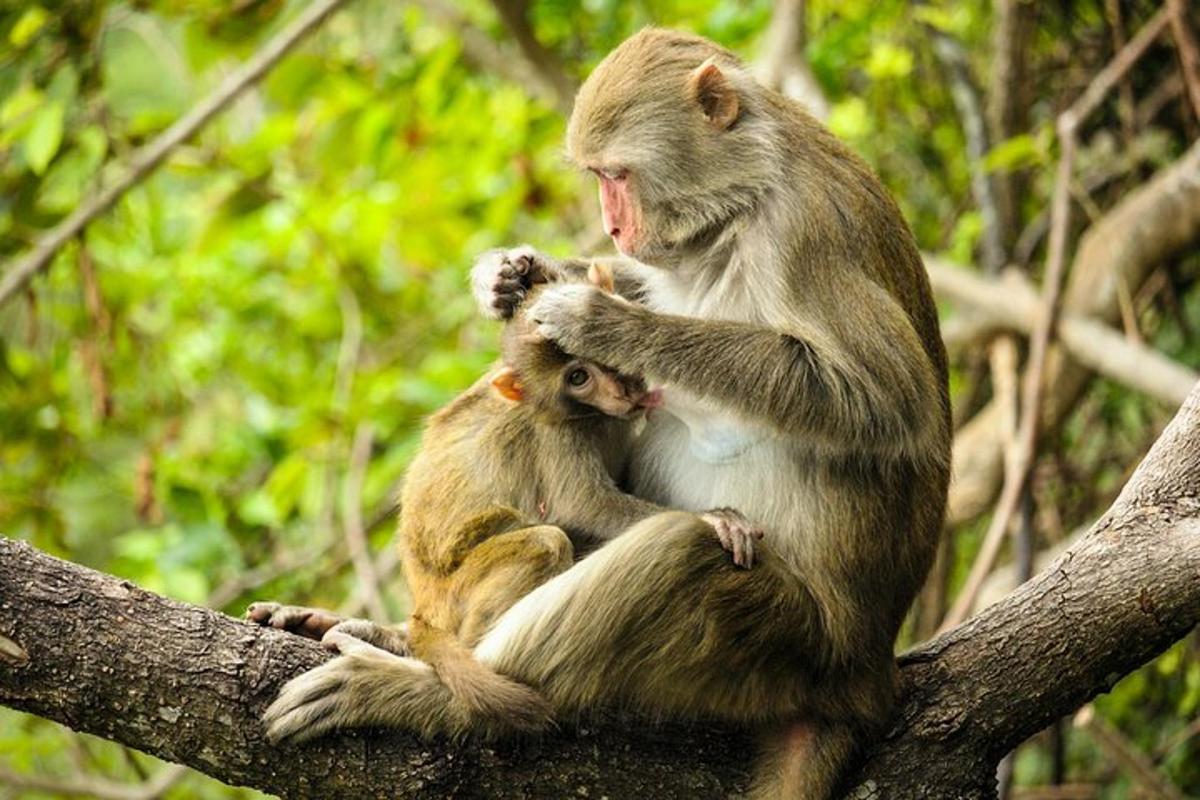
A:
x: 654, y: 122
x: 619, y: 209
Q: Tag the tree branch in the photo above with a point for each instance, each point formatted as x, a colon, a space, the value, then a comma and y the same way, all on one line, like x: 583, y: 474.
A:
x: 783, y: 65
x: 188, y: 684
x: 1153, y: 223
x: 1010, y: 303
x: 149, y: 157
x: 545, y: 64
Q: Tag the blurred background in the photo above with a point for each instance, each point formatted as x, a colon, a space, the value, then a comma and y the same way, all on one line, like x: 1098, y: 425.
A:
x: 213, y: 391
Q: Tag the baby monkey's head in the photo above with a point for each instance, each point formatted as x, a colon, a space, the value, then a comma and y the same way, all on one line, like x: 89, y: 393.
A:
x: 537, y: 372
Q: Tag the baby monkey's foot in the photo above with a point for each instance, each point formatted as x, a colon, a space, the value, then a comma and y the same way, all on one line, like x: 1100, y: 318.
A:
x: 311, y: 623
x: 392, y: 638
x: 736, y: 533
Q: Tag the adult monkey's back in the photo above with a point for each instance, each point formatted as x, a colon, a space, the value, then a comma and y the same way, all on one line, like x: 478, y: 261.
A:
x: 786, y: 308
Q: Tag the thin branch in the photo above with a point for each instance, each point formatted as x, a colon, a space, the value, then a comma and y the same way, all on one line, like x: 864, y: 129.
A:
x: 971, y: 116
x: 1125, y: 104
x: 545, y: 64
x: 148, y: 158
x: 487, y: 54
x: 1136, y: 764
x: 95, y: 786
x: 1192, y: 730
x: 1017, y: 477
x: 95, y: 343
x: 1157, y: 98
x: 783, y: 64
x: 352, y: 523
x: 1007, y: 99
x: 1189, y: 51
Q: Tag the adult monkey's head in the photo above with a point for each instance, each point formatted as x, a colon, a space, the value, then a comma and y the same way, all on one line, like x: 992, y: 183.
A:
x: 680, y: 137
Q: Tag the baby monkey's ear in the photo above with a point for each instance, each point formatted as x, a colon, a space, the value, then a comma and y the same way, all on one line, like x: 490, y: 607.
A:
x: 601, y: 276
x: 508, y: 384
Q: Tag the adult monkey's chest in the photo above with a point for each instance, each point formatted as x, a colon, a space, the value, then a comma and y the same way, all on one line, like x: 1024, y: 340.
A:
x: 694, y: 450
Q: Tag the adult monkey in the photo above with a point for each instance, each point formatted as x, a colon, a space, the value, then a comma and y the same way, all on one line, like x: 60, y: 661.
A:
x: 785, y: 305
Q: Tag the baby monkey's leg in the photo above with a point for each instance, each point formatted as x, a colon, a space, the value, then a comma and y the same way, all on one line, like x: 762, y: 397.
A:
x: 502, y: 570
x: 314, y: 623
x: 311, y: 623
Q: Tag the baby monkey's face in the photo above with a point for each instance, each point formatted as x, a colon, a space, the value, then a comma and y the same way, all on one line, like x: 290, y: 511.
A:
x: 606, y: 390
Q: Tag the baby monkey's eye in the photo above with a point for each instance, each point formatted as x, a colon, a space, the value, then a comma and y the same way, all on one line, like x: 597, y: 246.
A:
x: 578, y: 377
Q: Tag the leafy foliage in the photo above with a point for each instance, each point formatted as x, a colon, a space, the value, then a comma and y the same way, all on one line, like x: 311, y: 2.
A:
x: 178, y: 393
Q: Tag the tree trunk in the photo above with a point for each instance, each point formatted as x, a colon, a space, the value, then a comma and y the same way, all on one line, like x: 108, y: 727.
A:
x: 188, y: 684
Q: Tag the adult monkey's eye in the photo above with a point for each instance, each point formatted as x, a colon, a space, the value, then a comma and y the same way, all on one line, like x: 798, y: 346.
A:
x: 609, y: 174
x: 578, y: 377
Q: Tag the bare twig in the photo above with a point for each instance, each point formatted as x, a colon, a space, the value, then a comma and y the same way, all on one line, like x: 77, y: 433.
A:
x: 95, y: 344
x: 545, y: 64
x: 1136, y: 764
x: 95, y: 786
x: 487, y: 54
x: 970, y: 113
x: 149, y: 157
x: 1007, y: 106
x: 1017, y: 477
x: 783, y: 65
x: 1106, y: 78
x: 352, y: 522
x: 1125, y: 106
x: 1157, y: 98
x: 1192, y: 730
x: 1189, y: 51
x: 277, y: 567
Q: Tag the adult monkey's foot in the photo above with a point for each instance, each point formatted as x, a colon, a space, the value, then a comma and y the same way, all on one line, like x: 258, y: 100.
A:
x: 500, y: 279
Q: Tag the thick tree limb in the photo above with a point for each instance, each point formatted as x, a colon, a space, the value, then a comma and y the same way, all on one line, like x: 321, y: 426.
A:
x: 1010, y: 303
x: 148, y: 158
x: 188, y: 684
x: 1155, y: 222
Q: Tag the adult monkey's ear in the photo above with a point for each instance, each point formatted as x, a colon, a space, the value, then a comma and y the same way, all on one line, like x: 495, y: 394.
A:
x: 715, y: 95
x: 508, y: 384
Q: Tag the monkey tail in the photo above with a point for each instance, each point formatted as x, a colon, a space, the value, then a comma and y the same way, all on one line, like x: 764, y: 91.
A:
x: 479, y: 698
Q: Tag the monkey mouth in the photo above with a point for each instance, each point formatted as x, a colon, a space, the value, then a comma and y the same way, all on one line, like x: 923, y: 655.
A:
x: 650, y: 400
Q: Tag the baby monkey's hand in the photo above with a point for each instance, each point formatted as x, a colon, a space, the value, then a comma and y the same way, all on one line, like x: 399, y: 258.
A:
x: 502, y: 278
x: 736, y: 533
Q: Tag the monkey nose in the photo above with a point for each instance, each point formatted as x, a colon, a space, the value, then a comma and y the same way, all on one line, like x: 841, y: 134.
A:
x: 614, y: 232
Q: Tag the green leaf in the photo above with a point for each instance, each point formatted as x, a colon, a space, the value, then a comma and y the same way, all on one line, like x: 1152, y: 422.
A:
x: 44, y: 136
x: 850, y: 119
x: 1013, y: 154
x: 889, y: 61
x: 27, y: 27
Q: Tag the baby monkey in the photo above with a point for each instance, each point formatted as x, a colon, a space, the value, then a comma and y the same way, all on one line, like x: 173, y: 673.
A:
x: 510, y: 475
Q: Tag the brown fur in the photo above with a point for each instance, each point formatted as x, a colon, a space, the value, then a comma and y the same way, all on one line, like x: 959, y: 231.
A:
x: 781, y: 288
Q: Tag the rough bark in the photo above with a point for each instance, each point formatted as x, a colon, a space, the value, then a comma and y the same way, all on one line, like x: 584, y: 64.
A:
x: 188, y: 684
